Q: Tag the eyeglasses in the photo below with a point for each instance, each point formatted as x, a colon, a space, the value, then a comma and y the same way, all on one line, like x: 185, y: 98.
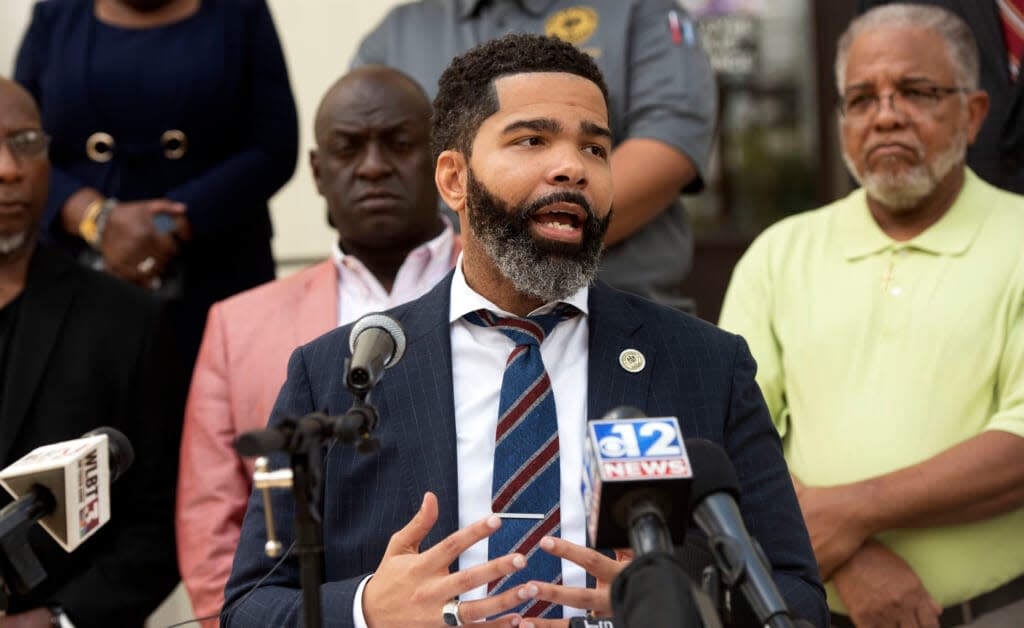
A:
x: 26, y: 143
x: 910, y: 99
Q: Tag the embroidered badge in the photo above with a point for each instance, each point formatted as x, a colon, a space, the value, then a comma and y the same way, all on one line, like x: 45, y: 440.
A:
x: 574, y: 25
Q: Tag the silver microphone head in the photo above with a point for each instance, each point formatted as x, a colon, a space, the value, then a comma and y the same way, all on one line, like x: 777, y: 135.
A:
x: 388, y: 324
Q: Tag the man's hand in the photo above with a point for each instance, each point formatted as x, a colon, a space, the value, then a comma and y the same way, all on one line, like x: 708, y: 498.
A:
x: 597, y: 601
x: 131, y: 237
x: 410, y: 588
x: 834, y: 523
x: 880, y: 590
x: 35, y: 618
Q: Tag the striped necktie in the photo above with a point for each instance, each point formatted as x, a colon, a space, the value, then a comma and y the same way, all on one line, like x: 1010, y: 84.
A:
x: 1012, y: 14
x: 526, y: 477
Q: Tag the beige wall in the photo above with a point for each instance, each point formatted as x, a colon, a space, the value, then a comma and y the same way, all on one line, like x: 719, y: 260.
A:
x: 319, y: 39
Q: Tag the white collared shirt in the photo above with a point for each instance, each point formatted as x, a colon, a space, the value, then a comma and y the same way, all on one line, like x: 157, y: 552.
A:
x: 360, y: 293
x: 478, y: 356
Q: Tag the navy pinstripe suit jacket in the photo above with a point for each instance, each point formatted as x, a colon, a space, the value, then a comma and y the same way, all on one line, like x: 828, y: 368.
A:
x: 695, y: 371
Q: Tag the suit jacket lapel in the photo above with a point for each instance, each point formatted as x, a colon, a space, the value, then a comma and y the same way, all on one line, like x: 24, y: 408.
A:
x: 614, y: 327
x: 45, y: 302
x: 416, y: 396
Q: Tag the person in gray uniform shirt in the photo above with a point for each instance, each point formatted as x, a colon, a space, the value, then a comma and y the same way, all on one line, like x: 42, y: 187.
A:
x: 662, y: 97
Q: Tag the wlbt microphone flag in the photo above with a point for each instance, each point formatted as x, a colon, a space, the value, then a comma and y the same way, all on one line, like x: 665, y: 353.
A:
x: 629, y: 462
x: 78, y: 473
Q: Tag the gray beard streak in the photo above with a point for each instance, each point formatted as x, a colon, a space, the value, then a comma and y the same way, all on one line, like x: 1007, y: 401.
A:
x: 10, y: 244
x: 548, y: 271
x: 907, y: 190
x: 548, y: 277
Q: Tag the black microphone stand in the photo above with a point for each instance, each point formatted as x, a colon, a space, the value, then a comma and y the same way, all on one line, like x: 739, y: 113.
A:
x: 306, y: 461
x: 20, y: 569
x: 302, y: 439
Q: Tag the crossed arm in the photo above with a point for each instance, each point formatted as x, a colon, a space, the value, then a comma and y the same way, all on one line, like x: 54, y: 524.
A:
x: 980, y: 478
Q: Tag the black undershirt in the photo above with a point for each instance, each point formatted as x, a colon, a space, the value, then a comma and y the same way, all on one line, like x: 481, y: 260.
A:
x: 8, y: 319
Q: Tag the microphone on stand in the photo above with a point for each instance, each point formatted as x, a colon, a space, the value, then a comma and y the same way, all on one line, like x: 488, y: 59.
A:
x: 66, y: 488
x: 740, y: 559
x: 377, y: 342
x: 69, y: 483
x: 636, y: 482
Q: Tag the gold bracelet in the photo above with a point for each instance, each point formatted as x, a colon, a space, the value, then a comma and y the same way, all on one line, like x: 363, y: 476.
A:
x: 87, y: 228
x: 95, y: 222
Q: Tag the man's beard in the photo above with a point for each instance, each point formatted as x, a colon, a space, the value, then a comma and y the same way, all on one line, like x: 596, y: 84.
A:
x: 544, y: 269
x: 10, y: 244
x: 904, y: 190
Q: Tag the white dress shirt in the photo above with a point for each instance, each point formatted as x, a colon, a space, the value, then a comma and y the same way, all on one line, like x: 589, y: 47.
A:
x: 360, y: 293
x: 478, y: 364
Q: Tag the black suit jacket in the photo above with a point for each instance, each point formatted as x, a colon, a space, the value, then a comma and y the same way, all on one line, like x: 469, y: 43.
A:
x: 83, y: 347
x: 997, y: 154
x: 694, y: 371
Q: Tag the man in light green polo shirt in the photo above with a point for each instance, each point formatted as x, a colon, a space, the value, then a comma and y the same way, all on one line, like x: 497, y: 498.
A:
x: 888, y: 328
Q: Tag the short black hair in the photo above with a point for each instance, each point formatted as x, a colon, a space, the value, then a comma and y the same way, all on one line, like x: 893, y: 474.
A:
x: 466, y: 95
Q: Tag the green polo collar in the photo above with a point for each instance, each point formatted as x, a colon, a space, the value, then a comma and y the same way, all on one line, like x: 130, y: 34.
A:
x: 951, y: 235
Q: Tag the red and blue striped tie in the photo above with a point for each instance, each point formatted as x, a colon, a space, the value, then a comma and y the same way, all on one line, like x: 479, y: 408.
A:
x: 526, y: 462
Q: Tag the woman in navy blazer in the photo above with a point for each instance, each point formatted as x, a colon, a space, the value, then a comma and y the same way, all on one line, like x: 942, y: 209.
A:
x: 173, y: 123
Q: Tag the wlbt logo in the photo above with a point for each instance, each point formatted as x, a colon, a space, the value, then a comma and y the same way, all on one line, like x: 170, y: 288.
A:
x: 89, y: 498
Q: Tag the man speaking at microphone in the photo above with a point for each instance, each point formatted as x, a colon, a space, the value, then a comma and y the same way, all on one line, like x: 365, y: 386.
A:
x: 506, y: 360
x: 74, y: 350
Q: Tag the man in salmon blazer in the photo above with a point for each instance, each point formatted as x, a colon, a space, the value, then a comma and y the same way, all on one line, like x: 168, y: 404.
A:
x: 372, y: 165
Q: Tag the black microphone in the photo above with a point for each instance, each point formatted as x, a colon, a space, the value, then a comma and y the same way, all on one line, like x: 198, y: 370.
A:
x: 636, y: 479
x: 377, y: 342
x: 67, y: 484
x: 66, y: 488
x: 639, y: 479
x: 654, y: 590
x: 741, y: 560
x: 120, y: 452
